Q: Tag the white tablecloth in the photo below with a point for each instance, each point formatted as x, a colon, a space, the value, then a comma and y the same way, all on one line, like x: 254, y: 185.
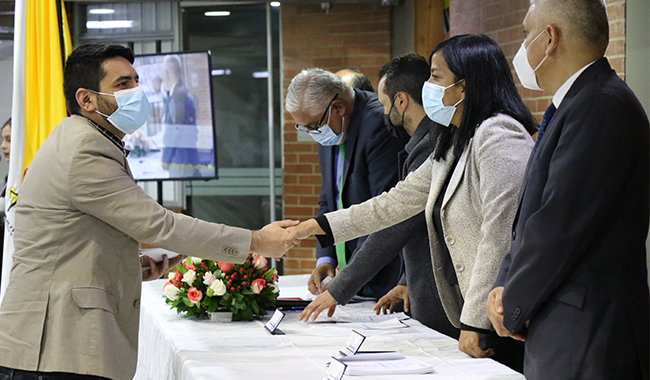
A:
x: 175, y: 348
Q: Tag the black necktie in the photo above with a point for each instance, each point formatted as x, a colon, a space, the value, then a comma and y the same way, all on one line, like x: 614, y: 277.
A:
x: 545, y: 120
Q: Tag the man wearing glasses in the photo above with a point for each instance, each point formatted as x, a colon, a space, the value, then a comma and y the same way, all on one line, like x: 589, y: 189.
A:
x: 358, y: 160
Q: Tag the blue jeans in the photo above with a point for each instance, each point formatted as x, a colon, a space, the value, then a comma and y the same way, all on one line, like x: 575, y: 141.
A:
x: 17, y: 374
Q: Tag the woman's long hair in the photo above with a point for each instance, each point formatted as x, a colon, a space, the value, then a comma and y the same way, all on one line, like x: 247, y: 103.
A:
x: 489, y: 89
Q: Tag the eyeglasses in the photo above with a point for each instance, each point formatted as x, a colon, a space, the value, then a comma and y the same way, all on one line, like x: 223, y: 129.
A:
x: 316, y: 130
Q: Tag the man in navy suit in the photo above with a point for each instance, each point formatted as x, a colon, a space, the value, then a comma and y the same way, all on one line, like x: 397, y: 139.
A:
x: 574, y: 284
x: 356, y: 153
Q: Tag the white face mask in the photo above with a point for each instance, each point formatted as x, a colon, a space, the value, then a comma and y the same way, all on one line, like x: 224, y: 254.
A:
x: 327, y: 137
x: 437, y: 111
x: 524, y: 70
x: 132, y: 109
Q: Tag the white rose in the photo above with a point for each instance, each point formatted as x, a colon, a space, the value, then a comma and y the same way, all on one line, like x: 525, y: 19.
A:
x: 209, y: 278
x: 171, y: 292
x: 218, y: 287
x: 196, y: 260
x: 171, y: 275
x: 275, y: 288
x: 189, y: 277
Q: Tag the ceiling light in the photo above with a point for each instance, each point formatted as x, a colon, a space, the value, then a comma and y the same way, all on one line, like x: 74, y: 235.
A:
x: 109, y: 24
x: 220, y: 72
x: 101, y: 11
x: 260, y: 74
x: 217, y: 13
x: 275, y: 3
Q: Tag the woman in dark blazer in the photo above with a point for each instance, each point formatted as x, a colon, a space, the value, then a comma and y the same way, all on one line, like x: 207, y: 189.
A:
x: 468, y: 188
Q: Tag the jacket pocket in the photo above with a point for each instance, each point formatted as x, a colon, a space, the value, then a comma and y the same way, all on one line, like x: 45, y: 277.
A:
x: 94, y: 298
x: 572, y: 294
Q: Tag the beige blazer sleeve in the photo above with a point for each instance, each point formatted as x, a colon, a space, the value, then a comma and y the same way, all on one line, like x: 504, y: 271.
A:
x: 406, y: 199
x: 108, y: 192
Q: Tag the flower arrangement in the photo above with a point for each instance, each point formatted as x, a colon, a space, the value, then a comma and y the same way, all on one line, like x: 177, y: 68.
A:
x: 199, y: 286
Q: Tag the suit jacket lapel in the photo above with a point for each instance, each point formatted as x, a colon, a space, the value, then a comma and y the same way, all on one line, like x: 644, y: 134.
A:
x: 457, y: 174
x: 356, y: 122
x: 587, y: 76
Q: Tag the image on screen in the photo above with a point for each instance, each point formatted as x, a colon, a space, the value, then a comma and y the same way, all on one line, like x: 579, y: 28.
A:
x: 178, y: 139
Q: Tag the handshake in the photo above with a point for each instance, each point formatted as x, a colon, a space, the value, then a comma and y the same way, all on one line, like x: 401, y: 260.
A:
x: 275, y: 239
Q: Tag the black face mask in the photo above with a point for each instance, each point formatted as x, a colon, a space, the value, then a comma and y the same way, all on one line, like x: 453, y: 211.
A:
x: 397, y: 131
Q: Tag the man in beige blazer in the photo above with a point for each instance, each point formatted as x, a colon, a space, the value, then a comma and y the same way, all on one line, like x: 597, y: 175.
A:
x: 71, y: 309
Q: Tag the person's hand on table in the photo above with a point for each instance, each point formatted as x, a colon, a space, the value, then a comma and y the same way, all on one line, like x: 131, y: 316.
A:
x: 321, y: 272
x: 389, y: 302
x: 322, y: 302
x: 270, y: 240
x: 468, y: 343
x: 302, y: 231
x: 152, y: 270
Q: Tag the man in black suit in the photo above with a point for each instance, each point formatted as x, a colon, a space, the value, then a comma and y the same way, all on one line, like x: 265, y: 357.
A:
x: 574, y: 284
x: 356, y: 153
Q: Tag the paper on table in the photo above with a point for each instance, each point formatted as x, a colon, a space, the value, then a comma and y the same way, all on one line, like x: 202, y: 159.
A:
x: 157, y: 253
x: 372, y: 356
x: 408, y: 365
x: 294, y: 290
x: 364, y: 319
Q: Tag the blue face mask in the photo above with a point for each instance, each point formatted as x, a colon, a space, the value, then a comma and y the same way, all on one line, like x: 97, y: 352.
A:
x: 327, y: 137
x: 132, y: 109
x: 432, y: 95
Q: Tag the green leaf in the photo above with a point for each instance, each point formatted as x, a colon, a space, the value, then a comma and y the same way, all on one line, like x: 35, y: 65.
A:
x: 214, y: 305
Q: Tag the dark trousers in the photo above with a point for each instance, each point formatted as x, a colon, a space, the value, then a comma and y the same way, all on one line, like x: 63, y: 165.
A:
x: 17, y: 374
x: 507, y: 351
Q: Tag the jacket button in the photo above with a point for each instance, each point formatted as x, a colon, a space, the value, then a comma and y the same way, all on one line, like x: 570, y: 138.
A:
x: 443, y: 214
x: 450, y: 240
x: 514, y: 235
x: 136, y: 303
x: 515, y: 314
x: 460, y: 267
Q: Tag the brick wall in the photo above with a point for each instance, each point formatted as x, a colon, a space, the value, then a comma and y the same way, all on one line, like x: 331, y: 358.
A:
x: 350, y: 35
x: 501, y: 20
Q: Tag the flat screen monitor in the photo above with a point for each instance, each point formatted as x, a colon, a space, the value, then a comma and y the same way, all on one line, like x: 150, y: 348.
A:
x: 178, y: 141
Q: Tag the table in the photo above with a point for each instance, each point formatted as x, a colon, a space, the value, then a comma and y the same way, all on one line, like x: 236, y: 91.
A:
x: 174, y: 348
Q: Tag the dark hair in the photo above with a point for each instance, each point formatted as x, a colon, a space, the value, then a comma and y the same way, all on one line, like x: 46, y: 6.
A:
x: 405, y: 73
x: 489, y: 89
x: 7, y: 123
x: 361, y: 81
x: 84, y: 69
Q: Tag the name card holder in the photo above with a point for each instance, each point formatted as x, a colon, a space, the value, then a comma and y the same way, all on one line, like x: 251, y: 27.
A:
x: 272, y: 325
x: 335, y: 370
x: 353, y: 344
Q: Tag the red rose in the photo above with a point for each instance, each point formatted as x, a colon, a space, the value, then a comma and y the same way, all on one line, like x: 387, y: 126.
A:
x: 190, y: 267
x: 175, y: 278
x: 260, y: 262
x: 194, y: 294
x: 258, y: 285
x: 226, y: 267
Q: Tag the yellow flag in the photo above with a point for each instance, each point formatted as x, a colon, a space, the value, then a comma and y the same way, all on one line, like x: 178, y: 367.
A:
x: 44, y: 101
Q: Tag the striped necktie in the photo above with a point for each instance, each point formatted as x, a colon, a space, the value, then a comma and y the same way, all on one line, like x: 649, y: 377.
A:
x: 545, y: 120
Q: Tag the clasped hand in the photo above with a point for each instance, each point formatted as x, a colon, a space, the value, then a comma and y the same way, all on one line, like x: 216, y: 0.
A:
x: 301, y: 232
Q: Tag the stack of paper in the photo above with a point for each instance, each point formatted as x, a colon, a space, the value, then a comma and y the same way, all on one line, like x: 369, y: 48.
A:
x: 384, y: 363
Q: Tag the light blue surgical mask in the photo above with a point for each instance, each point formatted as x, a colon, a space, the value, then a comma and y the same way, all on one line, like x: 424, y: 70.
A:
x: 327, y: 137
x: 132, y: 109
x: 432, y: 95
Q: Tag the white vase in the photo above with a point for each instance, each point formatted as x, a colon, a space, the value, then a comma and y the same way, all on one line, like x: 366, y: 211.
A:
x: 220, y: 316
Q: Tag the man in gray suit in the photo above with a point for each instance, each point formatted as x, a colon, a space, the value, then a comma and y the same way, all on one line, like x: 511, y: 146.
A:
x: 400, y: 92
x: 71, y: 309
